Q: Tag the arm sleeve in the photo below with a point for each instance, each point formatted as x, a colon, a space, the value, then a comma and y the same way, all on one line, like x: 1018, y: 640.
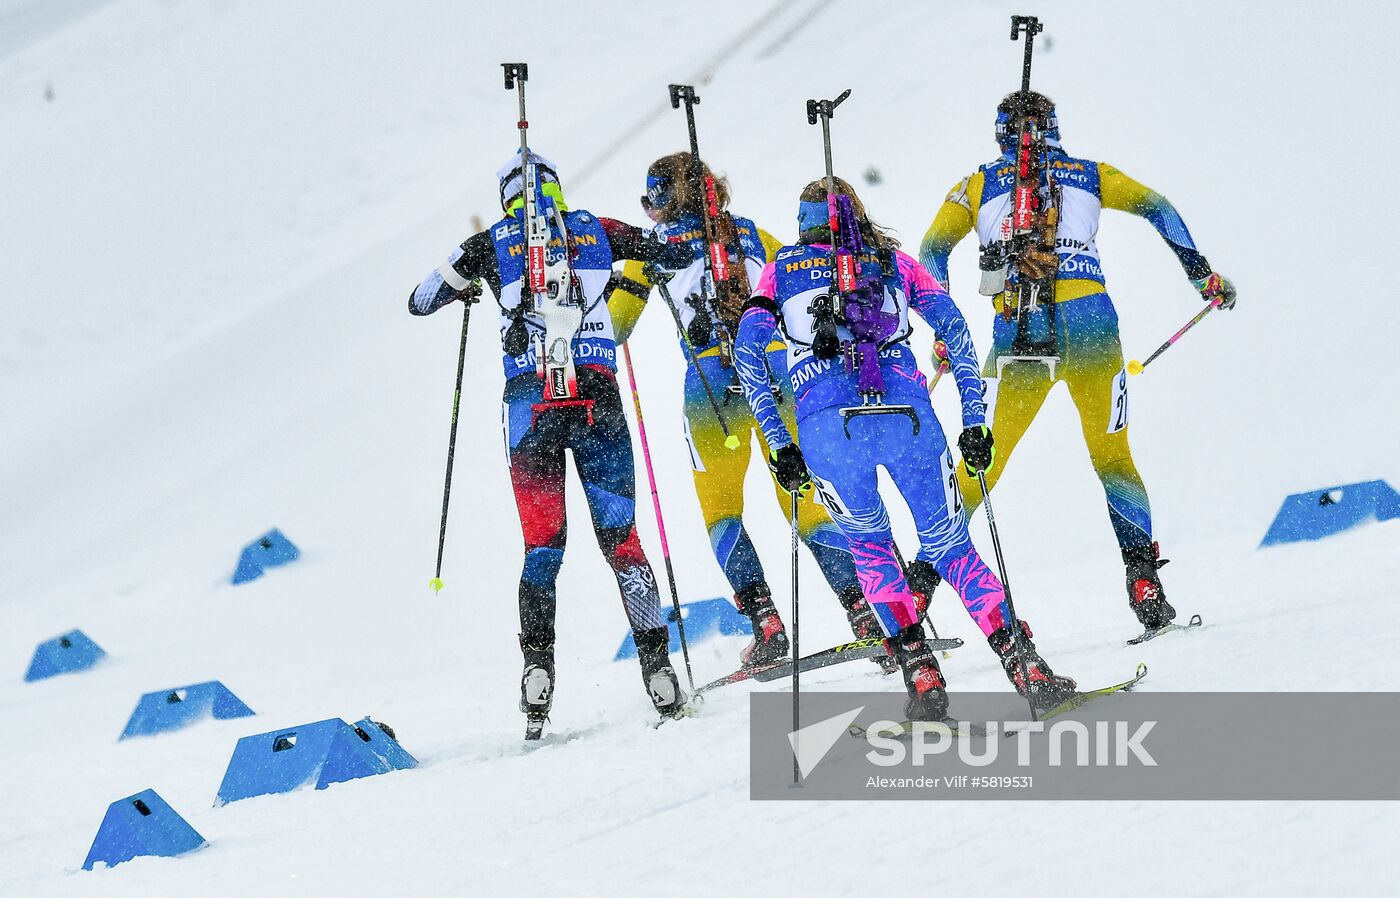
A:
x: 631, y: 242
x: 934, y: 305
x: 474, y: 259
x: 757, y: 328
x: 627, y: 298
x: 1118, y: 191
x: 953, y: 222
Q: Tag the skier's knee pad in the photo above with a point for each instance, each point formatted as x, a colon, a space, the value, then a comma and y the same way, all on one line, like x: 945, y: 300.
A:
x: 542, y: 567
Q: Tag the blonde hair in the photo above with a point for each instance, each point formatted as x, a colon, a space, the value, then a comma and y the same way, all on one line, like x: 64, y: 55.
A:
x: 676, y: 168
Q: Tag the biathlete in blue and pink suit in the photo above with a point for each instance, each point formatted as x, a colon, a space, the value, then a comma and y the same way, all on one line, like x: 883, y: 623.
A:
x: 918, y: 460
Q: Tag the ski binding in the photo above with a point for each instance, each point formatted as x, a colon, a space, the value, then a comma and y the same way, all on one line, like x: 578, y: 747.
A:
x: 1147, y: 635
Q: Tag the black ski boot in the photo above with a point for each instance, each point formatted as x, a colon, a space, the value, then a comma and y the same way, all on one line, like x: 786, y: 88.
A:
x: 1023, y: 665
x: 864, y: 625
x: 770, y: 642
x: 1145, y: 594
x: 660, y: 678
x: 537, y: 682
x: 923, y: 580
x: 928, y: 693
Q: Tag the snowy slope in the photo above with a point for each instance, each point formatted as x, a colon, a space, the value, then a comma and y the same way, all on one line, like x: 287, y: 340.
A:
x: 210, y: 232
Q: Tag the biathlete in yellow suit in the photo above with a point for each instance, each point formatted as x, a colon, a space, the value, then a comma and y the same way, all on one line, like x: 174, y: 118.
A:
x: 719, y: 471
x: 1079, y: 328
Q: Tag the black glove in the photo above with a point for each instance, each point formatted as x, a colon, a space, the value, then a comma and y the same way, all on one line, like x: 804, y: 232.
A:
x: 789, y: 469
x: 977, y: 450
x: 676, y: 256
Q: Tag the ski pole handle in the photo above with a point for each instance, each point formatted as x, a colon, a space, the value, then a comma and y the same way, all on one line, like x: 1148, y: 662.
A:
x: 1136, y: 367
x: 940, y: 352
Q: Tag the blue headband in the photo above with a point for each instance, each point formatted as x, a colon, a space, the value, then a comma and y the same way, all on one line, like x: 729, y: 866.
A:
x: 812, y: 214
x: 658, y: 191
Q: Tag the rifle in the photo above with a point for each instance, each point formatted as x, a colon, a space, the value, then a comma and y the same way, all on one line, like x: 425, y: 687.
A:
x: 731, y: 284
x: 1023, y: 263
x: 856, y: 297
x: 554, y: 290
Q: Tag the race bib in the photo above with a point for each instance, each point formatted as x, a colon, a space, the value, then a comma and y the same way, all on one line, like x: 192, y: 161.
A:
x: 1118, y: 403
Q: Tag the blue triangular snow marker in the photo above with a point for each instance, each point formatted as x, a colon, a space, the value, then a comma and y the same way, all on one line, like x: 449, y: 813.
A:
x: 1325, y: 512
x: 703, y: 619
x: 72, y: 651
x: 314, y: 754
x: 141, y: 825
x: 171, y: 709
x: 269, y: 550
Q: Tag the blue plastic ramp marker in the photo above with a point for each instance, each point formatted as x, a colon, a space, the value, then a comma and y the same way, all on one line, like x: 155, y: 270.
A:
x: 70, y: 652
x: 703, y: 619
x: 141, y: 825
x: 269, y: 550
x: 171, y: 709
x: 315, y: 754
x: 1326, y: 512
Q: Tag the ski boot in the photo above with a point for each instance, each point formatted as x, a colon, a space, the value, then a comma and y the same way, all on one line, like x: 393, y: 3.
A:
x: 660, y: 678
x: 536, y: 684
x: 928, y: 693
x: 1027, y: 671
x: 923, y: 580
x: 864, y: 625
x: 770, y: 642
x: 1145, y: 594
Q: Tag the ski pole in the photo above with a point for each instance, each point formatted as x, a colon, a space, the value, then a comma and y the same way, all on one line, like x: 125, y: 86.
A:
x: 660, y: 524
x: 471, y: 295
x: 1135, y: 367
x: 1013, y: 622
x: 731, y: 441
x: 796, y: 653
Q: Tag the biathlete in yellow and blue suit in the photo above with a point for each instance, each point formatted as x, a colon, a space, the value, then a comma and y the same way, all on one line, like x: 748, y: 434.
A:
x: 719, y: 471
x: 1079, y: 328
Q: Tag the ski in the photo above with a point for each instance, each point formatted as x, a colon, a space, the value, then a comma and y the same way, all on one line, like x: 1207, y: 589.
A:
x: 849, y: 651
x: 906, y: 729
x: 534, y: 726
x: 1147, y: 635
x: 688, y: 710
x: 1080, y: 699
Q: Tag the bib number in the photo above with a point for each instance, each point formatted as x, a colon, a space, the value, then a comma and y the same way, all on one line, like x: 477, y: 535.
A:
x: 1118, y: 403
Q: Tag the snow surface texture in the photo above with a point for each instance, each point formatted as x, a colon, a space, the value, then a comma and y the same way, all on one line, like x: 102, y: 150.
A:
x: 213, y: 213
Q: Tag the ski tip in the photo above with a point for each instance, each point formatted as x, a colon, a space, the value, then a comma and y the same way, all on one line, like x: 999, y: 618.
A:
x: 1141, y: 670
x: 731, y: 441
x: 435, y: 584
x: 1135, y: 367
